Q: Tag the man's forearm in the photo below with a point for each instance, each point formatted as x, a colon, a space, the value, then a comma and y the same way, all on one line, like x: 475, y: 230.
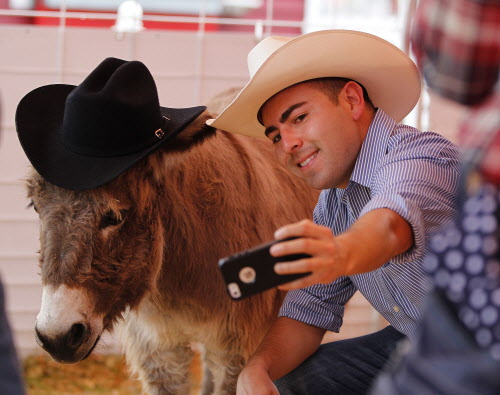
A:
x: 286, y: 345
x: 371, y: 241
x: 374, y: 239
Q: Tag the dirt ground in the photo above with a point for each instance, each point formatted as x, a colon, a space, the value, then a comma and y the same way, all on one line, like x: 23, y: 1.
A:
x: 97, y: 375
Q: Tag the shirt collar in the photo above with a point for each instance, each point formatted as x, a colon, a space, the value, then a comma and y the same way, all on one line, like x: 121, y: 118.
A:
x: 373, y: 147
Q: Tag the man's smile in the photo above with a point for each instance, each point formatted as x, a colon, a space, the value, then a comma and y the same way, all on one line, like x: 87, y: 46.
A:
x: 308, y: 160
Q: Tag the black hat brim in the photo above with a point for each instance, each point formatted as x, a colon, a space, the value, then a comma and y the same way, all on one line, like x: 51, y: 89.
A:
x: 39, y: 119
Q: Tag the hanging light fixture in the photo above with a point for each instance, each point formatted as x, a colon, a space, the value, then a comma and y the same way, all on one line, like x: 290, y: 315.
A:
x: 129, y: 19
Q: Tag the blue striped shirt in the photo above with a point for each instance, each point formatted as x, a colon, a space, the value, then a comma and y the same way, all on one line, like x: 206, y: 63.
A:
x: 411, y: 172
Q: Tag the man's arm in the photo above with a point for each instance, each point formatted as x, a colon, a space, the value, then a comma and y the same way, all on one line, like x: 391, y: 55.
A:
x: 284, y: 347
x: 370, y: 242
x: 375, y: 238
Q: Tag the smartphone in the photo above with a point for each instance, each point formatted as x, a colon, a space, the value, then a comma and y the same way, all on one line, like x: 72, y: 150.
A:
x: 252, y: 271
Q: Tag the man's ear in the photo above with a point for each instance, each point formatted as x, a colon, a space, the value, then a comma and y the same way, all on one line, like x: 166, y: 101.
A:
x: 355, y: 99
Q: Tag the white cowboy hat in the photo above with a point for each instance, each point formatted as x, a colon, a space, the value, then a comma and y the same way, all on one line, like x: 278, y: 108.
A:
x: 388, y: 74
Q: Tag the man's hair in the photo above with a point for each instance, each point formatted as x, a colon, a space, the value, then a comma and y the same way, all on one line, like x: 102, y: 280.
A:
x: 331, y: 87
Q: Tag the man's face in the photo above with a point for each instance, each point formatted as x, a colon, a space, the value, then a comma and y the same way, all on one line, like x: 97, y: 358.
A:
x: 313, y: 137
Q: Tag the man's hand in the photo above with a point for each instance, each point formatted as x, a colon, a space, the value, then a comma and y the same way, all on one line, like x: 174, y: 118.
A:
x: 254, y: 380
x: 315, y: 240
x: 286, y: 345
x: 374, y: 239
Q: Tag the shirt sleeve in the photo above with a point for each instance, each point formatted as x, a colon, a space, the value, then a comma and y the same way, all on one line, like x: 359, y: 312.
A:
x: 320, y: 305
x: 417, y: 179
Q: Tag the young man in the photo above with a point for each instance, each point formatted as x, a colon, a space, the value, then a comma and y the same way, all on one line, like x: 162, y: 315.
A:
x: 329, y: 102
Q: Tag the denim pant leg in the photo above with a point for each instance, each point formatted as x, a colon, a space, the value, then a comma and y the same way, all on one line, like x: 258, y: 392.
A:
x: 342, y: 367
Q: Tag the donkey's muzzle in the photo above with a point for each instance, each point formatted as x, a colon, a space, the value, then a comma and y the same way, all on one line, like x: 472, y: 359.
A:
x: 69, y: 347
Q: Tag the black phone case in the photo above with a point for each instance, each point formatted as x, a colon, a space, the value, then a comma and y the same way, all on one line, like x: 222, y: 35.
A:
x: 252, y: 271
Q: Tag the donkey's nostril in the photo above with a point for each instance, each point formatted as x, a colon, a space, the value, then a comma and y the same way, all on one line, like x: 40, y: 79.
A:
x: 69, y: 346
x: 40, y: 338
x: 76, y: 335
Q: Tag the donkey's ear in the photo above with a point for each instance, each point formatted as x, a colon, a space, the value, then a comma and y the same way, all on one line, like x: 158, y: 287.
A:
x: 221, y: 100
x: 196, y: 128
x: 194, y: 133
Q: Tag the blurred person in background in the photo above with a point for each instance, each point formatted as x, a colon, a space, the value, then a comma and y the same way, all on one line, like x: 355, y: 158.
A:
x: 11, y: 382
x: 457, y: 46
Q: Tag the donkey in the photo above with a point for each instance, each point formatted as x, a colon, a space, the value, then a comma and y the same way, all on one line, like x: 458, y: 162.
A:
x: 142, y: 251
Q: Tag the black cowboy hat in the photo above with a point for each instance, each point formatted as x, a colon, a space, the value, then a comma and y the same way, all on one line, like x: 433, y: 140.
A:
x: 80, y: 137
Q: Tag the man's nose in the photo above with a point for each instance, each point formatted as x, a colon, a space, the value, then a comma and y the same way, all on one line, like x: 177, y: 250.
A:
x: 290, y: 140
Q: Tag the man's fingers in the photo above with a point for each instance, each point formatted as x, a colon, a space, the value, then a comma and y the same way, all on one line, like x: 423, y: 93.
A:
x: 298, y: 266
x: 304, y: 228
x: 312, y: 247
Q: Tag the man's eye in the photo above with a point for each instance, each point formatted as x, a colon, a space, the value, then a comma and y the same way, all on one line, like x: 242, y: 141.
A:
x: 276, y: 138
x: 300, y: 118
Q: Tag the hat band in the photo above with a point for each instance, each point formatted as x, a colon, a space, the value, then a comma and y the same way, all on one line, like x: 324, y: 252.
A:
x: 119, y: 150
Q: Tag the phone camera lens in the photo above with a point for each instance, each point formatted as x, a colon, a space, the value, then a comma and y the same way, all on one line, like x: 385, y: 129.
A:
x: 247, y: 275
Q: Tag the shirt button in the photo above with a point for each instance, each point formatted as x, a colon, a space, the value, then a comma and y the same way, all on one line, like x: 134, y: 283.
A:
x: 396, y: 309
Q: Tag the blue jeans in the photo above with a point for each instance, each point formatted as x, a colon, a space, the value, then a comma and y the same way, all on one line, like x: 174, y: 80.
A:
x: 342, y: 367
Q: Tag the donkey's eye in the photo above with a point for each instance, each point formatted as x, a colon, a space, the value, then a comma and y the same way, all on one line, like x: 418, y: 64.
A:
x: 111, y: 219
x: 32, y: 204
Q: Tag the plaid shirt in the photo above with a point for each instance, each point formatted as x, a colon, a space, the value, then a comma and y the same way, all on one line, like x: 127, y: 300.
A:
x: 479, y: 138
x: 457, y: 45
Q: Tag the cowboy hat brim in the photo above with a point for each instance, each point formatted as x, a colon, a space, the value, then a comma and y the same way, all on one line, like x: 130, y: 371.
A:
x: 388, y: 74
x: 39, y: 119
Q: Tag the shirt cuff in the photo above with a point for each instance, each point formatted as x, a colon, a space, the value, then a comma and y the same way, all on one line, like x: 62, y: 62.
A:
x: 305, y: 307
